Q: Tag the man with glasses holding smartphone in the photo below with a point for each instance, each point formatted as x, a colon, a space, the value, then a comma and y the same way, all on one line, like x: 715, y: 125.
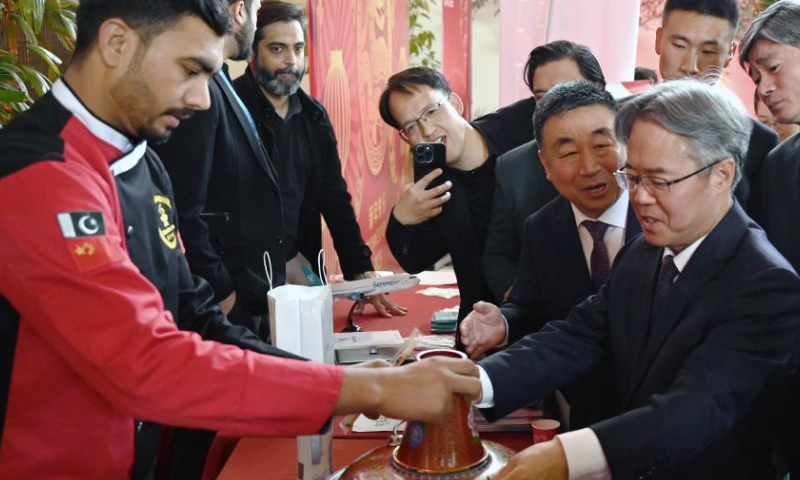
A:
x: 700, y: 316
x: 428, y: 223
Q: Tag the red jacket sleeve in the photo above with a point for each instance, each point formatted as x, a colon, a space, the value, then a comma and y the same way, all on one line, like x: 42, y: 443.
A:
x: 86, y: 301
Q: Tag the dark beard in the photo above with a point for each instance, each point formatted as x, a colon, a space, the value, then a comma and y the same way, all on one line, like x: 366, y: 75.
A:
x: 152, y: 137
x: 244, y: 40
x: 276, y: 86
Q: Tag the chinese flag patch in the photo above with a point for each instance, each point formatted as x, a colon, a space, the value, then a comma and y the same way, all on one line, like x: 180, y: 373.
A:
x: 89, y: 253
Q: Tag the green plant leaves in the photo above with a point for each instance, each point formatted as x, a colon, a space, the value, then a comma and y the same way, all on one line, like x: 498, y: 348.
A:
x: 23, y: 23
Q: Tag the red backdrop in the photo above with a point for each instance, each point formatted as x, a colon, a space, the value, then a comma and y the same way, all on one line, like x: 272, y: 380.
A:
x: 457, y: 45
x: 355, y: 46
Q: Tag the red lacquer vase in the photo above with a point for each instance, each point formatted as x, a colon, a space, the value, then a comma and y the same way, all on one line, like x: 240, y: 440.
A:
x: 448, y: 450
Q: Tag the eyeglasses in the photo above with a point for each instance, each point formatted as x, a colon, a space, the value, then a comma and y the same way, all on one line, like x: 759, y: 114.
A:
x: 411, y: 129
x: 654, y: 185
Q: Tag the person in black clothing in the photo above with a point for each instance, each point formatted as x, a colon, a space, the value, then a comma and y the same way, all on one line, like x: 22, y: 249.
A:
x: 227, y: 193
x: 770, y: 53
x: 521, y: 185
x: 453, y: 218
x: 225, y: 233
x: 299, y: 137
x: 148, y: 210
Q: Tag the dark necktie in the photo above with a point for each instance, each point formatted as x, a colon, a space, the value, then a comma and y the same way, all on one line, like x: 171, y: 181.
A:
x: 599, y: 259
x: 665, y: 280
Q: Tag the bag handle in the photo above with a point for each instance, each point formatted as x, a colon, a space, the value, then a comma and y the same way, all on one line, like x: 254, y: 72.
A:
x: 268, y: 269
x: 323, y: 273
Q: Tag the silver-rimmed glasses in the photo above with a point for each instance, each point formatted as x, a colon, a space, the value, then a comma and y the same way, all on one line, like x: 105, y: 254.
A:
x: 654, y: 185
x: 411, y: 128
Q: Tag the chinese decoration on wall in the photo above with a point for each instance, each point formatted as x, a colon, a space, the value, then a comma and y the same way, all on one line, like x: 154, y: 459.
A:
x: 356, y: 45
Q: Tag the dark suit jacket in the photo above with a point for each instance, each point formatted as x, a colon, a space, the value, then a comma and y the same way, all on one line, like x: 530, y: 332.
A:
x: 229, y: 205
x: 553, y: 277
x: 521, y: 188
x: 417, y: 247
x: 698, y: 387
x: 762, y: 141
x: 510, y: 126
x: 326, y: 190
x: 780, y: 217
x: 779, y: 211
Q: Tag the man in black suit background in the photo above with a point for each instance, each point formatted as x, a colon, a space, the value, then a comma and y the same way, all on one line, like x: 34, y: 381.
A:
x: 521, y: 186
x: 701, y: 315
x: 226, y: 189
x: 697, y: 39
x: 299, y: 137
x: 771, y: 54
x: 427, y: 224
x: 568, y: 245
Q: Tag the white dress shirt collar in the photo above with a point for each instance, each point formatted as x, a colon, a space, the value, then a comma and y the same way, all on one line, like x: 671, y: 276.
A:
x: 616, y: 215
x: 682, y: 259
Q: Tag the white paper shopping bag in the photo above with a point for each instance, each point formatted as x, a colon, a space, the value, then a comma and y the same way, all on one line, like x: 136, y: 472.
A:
x: 301, y: 321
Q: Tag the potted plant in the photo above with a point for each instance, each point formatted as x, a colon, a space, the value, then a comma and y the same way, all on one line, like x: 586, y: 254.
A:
x: 31, y: 32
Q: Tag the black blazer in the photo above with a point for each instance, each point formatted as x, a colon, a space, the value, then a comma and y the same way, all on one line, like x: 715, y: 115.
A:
x: 780, y: 217
x: 699, y: 388
x: 229, y: 205
x: 762, y: 141
x: 510, y: 126
x: 553, y: 277
x: 521, y: 188
x: 326, y: 190
x: 779, y: 211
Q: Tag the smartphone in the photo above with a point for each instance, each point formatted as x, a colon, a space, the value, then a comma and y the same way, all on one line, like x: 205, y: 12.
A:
x: 427, y: 158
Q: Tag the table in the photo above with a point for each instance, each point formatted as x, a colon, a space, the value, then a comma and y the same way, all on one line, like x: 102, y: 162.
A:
x: 253, y: 458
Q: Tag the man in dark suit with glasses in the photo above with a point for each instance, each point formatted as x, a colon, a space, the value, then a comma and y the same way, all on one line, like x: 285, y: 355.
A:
x: 700, y: 315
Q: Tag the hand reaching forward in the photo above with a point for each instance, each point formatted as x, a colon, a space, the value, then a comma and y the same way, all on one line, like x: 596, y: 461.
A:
x: 543, y: 461
x: 483, y: 329
x: 420, y: 391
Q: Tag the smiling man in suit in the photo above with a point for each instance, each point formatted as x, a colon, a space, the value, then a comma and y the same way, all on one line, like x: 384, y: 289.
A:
x: 521, y: 185
x: 700, y: 316
x: 568, y: 245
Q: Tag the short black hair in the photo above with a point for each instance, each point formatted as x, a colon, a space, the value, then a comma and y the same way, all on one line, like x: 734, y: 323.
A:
x: 559, y: 50
x: 642, y: 73
x: 275, y: 11
x: 566, y: 97
x: 404, y: 82
x: 724, y: 9
x: 148, y: 17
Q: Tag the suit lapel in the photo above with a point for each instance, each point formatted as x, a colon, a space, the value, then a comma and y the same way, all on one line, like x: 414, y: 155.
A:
x: 639, y: 298
x: 794, y: 204
x: 706, y: 263
x: 255, y: 143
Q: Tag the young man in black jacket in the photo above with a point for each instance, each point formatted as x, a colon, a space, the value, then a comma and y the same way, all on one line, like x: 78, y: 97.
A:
x: 299, y: 137
x: 453, y: 217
